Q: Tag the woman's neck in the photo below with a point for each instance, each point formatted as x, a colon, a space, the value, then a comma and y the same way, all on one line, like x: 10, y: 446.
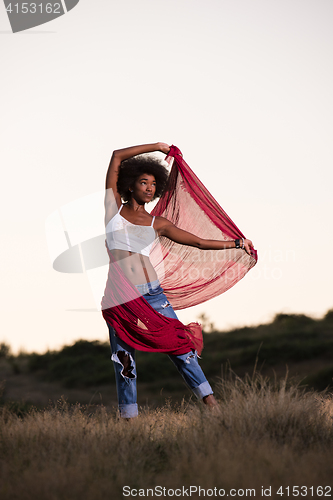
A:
x: 135, y: 206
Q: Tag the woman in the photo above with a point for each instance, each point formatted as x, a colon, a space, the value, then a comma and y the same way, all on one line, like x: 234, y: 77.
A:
x: 130, y: 235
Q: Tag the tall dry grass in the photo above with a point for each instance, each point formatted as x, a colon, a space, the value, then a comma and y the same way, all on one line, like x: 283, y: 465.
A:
x: 259, y: 435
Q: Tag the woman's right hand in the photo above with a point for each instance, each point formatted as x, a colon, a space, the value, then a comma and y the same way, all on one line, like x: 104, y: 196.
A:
x: 163, y: 147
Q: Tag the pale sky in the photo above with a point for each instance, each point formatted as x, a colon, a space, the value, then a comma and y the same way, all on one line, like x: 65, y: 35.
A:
x: 242, y: 87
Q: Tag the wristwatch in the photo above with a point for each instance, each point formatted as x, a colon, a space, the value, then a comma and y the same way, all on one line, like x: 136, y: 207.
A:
x: 237, y: 243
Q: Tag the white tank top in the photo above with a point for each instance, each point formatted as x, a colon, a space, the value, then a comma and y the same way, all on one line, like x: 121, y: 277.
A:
x: 123, y: 235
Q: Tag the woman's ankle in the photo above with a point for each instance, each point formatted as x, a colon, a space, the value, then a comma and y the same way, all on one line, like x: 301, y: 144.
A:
x: 210, y: 400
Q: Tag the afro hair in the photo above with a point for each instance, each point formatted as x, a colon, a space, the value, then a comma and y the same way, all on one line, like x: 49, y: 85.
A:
x: 131, y: 169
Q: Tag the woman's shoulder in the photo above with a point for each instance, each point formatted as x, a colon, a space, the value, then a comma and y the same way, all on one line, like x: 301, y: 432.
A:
x: 161, y: 222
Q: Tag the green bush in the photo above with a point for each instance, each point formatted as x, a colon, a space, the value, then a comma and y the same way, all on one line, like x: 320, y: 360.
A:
x: 4, y: 350
x: 84, y: 364
x: 289, y: 339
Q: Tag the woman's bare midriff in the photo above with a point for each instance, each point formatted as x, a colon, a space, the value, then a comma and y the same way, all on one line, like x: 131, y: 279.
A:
x: 136, y: 267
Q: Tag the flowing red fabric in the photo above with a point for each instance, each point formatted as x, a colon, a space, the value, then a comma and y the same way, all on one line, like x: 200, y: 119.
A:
x: 189, y: 276
x: 138, y: 324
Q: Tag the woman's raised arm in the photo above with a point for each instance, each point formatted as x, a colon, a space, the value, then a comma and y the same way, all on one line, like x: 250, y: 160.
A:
x: 120, y: 155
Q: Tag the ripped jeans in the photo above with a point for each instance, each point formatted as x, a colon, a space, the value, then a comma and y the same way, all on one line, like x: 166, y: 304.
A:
x: 187, y: 364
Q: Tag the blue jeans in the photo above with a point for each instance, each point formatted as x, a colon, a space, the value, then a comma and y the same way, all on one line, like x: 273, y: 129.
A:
x: 187, y: 364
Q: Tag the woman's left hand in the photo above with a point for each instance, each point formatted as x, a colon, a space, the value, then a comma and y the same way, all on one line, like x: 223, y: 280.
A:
x: 247, y: 246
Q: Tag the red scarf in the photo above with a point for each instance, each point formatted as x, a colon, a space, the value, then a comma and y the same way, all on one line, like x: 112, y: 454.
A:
x: 189, y: 276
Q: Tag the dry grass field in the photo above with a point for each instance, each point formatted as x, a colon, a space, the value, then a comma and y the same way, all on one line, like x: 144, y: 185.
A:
x: 262, y: 434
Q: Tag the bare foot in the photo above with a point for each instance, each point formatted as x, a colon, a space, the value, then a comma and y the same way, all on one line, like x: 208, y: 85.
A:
x: 210, y: 401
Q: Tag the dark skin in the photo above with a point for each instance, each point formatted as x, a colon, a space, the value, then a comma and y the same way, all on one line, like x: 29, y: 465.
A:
x: 134, y: 211
x: 143, y: 191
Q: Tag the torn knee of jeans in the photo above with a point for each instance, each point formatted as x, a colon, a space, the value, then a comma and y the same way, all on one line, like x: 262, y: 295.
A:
x: 166, y: 304
x: 126, y: 361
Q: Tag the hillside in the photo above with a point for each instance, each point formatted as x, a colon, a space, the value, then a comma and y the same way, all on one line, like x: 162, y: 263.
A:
x: 295, y: 344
